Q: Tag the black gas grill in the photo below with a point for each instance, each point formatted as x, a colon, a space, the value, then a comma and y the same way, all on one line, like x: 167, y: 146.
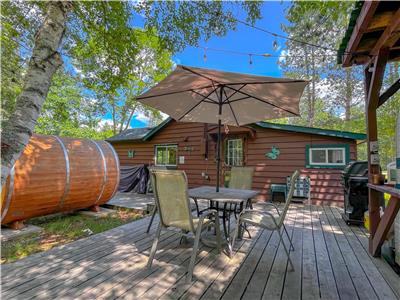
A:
x: 354, y: 181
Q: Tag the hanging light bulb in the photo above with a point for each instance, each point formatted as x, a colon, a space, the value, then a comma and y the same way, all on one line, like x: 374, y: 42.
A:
x: 275, y: 45
x: 205, y: 55
x: 250, y: 60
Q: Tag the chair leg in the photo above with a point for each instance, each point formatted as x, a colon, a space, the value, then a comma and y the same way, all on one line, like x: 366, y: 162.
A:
x: 154, y: 247
x: 194, y: 253
x: 290, y: 240
x: 197, y: 206
x: 286, y: 250
x: 232, y: 244
x: 153, y: 214
x: 218, y: 232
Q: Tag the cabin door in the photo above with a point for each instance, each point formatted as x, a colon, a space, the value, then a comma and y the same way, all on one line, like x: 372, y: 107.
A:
x: 234, y: 154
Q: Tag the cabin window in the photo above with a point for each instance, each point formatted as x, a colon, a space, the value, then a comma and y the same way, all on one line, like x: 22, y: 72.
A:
x: 166, y: 155
x: 234, y: 152
x: 327, y: 156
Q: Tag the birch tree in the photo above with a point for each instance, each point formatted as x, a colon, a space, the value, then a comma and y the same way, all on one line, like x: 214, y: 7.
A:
x: 177, y: 24
x: 42, y: 65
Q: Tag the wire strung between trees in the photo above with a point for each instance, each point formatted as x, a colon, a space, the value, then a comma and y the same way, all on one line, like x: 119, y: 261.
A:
x: 288, y: 38
x: 266, y: 55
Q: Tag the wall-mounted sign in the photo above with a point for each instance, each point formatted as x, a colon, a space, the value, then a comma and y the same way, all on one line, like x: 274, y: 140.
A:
x: 375, y: 159
x: 274, y: 153
x: 373, y: 146
x: 181, y: 160
x: 188, y: 148
x: 131, y: 153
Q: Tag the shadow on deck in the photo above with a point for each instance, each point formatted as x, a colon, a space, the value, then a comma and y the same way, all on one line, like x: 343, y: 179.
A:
x: 331, y: 261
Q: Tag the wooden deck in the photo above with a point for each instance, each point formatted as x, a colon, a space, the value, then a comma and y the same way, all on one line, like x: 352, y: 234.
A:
x: 331, y: 262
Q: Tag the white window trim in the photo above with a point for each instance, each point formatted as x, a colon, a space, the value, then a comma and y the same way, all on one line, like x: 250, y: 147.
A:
x: 227, y: 150
x: 343, y: 149
x: 165, y: 146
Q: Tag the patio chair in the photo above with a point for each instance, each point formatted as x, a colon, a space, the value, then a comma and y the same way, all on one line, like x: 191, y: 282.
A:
x: 269, y: 219
x: 241, y: 178
x: 171, y: 195
x: 154, y: 211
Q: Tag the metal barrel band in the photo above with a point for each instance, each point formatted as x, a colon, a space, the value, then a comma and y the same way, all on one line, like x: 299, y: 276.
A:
x: 104, y: 170
x: 67, y: 173
x: 117, y: 167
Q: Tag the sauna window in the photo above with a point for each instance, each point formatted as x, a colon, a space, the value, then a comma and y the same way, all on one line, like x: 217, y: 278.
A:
x: 234, y: 152
x: 166, y: 155
x: 327, y: 156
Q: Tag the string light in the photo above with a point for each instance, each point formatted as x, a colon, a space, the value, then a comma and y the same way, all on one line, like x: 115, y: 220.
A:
x: 266, y: 55
x: 250, y: 61
x: 275, y: 45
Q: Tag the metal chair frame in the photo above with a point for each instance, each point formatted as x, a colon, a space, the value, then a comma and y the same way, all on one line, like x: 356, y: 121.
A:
x: 277, y: 222
x: 209, y: 218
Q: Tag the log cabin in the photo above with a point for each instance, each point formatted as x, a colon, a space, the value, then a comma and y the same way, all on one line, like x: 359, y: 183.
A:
x: 274, y: 150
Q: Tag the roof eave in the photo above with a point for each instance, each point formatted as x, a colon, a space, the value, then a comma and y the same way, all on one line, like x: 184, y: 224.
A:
x: 152, y: 132
x: 317, y: 131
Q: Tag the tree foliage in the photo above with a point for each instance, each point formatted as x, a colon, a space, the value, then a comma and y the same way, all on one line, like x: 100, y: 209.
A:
x: 335, y: 96
x: 107, y: 55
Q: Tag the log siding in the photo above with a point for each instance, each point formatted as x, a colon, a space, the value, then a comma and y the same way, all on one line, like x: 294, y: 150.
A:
x: 190, y: 138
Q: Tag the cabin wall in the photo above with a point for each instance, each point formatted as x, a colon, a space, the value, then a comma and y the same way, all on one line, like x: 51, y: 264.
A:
x: 325, y: 183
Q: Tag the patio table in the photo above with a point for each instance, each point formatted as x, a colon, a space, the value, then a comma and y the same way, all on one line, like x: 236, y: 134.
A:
x: 224, y: 197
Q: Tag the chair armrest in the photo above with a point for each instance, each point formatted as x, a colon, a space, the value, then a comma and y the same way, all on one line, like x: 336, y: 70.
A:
x: 258, y: 212
x: 271, y: 204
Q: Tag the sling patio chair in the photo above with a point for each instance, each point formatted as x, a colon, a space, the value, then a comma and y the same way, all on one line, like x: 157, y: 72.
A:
x: 269, y: 219
x: 241, y: 178
x: 173, y: 204
x: 150, y: 190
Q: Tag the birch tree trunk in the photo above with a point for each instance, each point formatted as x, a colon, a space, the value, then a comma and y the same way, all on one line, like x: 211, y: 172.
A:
x: 348, y: 95
x: 43, y: 64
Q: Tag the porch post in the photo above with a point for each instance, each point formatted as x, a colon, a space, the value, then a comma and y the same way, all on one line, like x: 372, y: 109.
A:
x: 373, y: 83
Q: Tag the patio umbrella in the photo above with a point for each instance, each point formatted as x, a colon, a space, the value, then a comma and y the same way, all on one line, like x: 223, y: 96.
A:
x: 191, y: 94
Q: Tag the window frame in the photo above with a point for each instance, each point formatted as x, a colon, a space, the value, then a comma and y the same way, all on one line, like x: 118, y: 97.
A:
x: 346, y: 156
x: 165, y: 146
x: 226, y: 151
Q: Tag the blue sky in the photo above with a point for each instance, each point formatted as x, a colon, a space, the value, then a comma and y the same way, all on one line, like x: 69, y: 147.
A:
x: 244, y: 39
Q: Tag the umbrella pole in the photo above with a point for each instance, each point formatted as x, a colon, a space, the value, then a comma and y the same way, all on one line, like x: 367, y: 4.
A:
x: 218, y: 154
x: 219, y: 138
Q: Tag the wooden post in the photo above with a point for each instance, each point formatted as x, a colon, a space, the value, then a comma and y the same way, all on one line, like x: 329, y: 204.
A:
x: 17, y: 225
x: 95, y: 208
x: 373, y: 83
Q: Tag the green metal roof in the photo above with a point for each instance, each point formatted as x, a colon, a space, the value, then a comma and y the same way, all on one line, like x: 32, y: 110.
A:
x: 130, y: 135
x: 156, y: 129
x: 352, y: 23
x: 293, y: 128
x: 311, y: 130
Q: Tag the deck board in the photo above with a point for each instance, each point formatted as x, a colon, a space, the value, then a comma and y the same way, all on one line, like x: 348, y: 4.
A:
x: 331, y: 261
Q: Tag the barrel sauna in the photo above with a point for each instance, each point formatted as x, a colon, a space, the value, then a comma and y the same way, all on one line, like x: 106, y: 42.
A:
x: 59, y: 174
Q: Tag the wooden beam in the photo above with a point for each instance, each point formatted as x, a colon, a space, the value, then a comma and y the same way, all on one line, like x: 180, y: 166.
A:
x: 380, y: 21
x: 367, y: 12
x: 389, y: 37
x: 373, y: 83
x: 389, y: 92
x: 385, y: 224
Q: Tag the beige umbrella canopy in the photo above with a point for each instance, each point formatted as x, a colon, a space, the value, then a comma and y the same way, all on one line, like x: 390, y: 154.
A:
x: 194, y: 95
x: 191, y: 94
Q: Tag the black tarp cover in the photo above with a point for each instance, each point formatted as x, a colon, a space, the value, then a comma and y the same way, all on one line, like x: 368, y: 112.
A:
x: 133, y: 179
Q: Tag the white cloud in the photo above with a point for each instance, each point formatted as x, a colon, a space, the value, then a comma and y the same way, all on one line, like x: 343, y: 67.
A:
x: 104, y: 123
x: 282, y: 55
x: 142, y: 117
